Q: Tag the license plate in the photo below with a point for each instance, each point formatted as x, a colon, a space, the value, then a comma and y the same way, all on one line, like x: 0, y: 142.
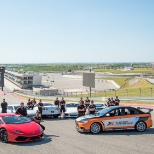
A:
x: 52, y: 111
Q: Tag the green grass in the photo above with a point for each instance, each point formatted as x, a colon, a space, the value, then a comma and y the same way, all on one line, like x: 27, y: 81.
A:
x: 119, y: 81
x: 136, y: 70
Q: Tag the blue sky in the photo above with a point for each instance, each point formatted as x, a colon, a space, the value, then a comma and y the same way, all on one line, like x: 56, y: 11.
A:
x: 49, y: 31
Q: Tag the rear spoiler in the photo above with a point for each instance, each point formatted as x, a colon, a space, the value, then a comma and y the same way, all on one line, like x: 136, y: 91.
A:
x: 150, y: 110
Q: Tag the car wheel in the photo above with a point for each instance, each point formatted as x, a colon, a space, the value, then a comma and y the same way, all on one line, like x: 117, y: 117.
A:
x: 140, y: 126
x: 95, y: 128
x: 4, y: 135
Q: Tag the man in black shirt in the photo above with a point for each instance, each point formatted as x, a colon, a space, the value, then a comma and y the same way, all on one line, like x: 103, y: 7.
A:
x: 29, y: 104
x: 87, y: 102
x: 109, y: 102
x: 81, y: 100
x: 56, y: 102
x: 62, y: 107
x: 112, y: 102
x: 40, y: 106
x: 4, y: 106
x: 92, y: 108
x: 117, y: 101
x: 22, y: 110
x: 81, y: 109
x: 38, y: 119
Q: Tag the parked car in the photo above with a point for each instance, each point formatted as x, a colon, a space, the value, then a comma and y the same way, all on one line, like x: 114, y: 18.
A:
x: 15, y: 128
x: 71, y: 110
x: 115, y: 118
x: 100, y: 107
x: 48, y: 110
x: 12, y: 109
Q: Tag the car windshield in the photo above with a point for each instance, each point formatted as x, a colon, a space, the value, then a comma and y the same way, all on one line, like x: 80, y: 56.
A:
x: 99, y: 105
x: 15, y: 107
x: 47, y: 104
x: 15, y: 120
x: 71, y: 105
x: 104, y: 111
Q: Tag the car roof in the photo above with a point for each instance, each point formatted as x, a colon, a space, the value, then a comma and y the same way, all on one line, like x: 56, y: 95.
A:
x: 6, y: 114
x: 115, y: 107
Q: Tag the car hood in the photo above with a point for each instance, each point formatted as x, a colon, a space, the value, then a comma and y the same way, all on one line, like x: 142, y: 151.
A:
x: 71, y: 109
x: 26, y: 128
x: 86, y: 117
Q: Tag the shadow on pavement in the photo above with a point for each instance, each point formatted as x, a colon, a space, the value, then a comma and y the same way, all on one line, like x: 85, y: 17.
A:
x: 45, y: 140
x: 124, y: 132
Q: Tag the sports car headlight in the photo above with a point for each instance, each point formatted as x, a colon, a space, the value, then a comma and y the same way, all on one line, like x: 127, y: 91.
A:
x: 18, y: 131
x: 83, y: 122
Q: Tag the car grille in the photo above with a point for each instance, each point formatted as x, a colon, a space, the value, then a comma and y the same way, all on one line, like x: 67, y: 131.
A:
x: 24, y: 138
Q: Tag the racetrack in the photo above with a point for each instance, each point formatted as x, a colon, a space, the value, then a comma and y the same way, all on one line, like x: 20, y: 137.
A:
x: 61, y: 137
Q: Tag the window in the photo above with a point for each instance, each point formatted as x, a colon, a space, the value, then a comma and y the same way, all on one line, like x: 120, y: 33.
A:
x: 116, y: 112
x: 130, y: 111
x: 1, y: 122
x: 10, y: 107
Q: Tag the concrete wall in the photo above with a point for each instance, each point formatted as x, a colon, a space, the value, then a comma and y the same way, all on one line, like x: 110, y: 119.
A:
x: 37, y: 80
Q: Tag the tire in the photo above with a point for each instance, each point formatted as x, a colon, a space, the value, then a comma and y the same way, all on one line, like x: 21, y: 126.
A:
x: 4, y: 136
x: 95, y: 128
x: 140, y: 126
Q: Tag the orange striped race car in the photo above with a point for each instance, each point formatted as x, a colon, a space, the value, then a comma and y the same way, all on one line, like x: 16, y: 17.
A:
x: 115, y: 118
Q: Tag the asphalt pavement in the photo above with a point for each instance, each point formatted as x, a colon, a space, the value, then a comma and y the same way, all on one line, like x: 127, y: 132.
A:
x: 61, y: 137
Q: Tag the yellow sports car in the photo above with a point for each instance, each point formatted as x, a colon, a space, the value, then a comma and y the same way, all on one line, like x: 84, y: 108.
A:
x: 115, y: 118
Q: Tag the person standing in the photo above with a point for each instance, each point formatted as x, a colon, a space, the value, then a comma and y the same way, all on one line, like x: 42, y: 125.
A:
x: 29, y: 104
x: 4, y: 106
x: 57, y: 102
x: 81, y: 100
x: 117, y: 101
x: 87, y: 102
x: 112, y: 102
x: 22, y: 110
x: 81, y: 109
x: 38, y: 119
x: 109, y: 102
x: 92, y: 108
x: 62, y: 107
x: 40, y: 106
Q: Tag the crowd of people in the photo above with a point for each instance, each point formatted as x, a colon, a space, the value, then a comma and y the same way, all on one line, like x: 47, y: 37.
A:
x: 83, y: 106
x: 113, y: 102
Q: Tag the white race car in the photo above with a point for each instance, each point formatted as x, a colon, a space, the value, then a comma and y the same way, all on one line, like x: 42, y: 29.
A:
x: 71, y: 110
x: 48, y: 110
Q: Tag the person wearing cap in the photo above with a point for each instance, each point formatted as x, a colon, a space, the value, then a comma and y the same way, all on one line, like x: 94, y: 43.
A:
x: 81, y: 109
x: 4, y: 106
x: 22, y: 110
x: 38, y: 119
x: 92, y: 108
x: 87, y: 102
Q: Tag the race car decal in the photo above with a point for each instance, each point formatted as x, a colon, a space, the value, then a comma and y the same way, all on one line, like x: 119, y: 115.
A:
x: 120, y: 122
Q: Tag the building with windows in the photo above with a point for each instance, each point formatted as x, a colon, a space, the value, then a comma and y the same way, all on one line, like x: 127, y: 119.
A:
x: 24, y: 80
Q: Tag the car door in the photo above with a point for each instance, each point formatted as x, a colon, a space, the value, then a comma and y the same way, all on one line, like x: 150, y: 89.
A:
x: 130, y: 117
x: 113, y: 119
